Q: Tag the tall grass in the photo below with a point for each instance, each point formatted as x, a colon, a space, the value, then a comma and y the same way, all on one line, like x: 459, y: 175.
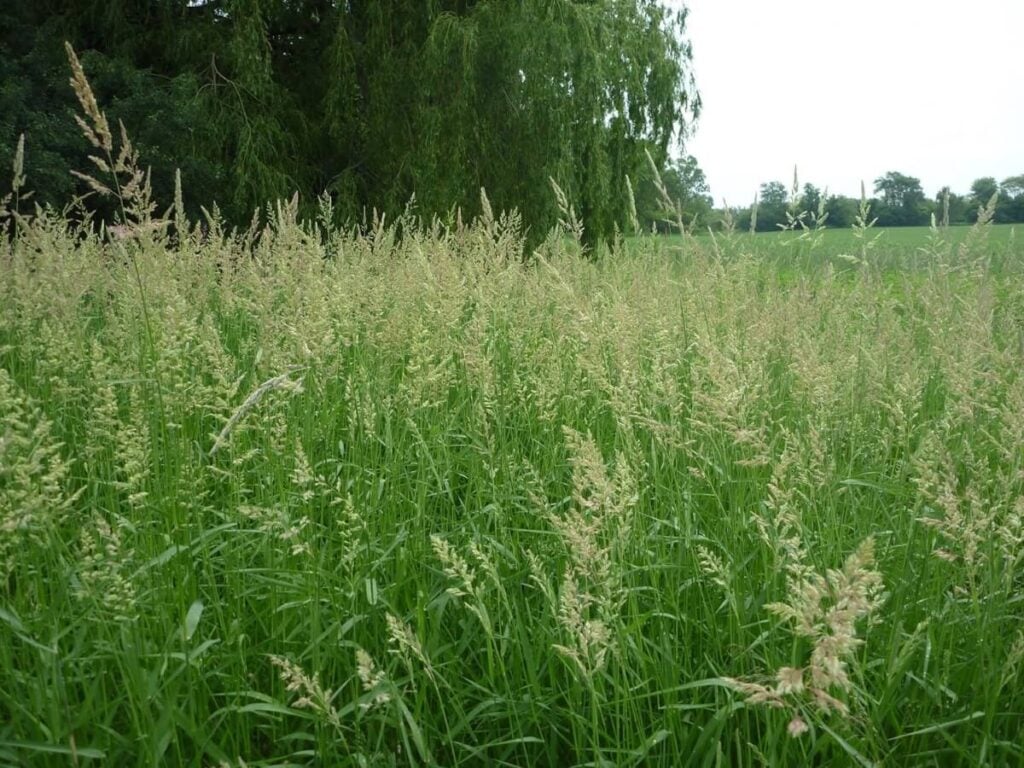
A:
x: 401, y: 496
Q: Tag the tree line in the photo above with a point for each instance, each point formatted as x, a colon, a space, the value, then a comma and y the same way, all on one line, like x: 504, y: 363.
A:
x: 373, y: 103
x: 898, y: 201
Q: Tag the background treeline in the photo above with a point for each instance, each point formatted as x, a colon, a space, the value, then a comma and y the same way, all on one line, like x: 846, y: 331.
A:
x: 370, y: 102
x: 899, y: 201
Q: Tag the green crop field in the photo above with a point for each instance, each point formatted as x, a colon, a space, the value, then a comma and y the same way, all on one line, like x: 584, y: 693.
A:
x: 329, y: 498
x: 901, y: 241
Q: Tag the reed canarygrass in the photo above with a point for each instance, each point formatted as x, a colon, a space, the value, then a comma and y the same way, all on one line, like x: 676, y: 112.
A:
x: 739, y: 502
x: 669, y: 505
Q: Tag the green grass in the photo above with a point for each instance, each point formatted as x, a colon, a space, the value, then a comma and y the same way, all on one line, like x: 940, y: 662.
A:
x: 896, y: 242
x: 904, y: 237
x: 369, y: 500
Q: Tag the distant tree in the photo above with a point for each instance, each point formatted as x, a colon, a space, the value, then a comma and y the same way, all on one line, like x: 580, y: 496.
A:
x: 902, y: 201
x: 958, y: 206
x: 842, y: 211
x: 718, y: 219
x: 687, y: 185
x: 1013, y: 186
x: 773, y: 200
x: 695, y: 194
x: 740, y: 216
x: 982, y: 190
x: 1013, y: 190
x: 810, y: 199
x: 773, y: 193
x: 898, y: 190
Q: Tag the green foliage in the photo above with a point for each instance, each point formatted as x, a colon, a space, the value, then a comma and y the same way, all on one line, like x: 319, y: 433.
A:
x: 1013, y: 186
x: 810, y: 198
x: 951, y: 208
x: 982, y: 191
x: 842, y: 211
x: 903, y: 201
x: 1009, y: 202
x: 687, y: 188
x: 902, y: 204
x: 1013, y: 193
x: 773, y: 202
x: 372, y: 102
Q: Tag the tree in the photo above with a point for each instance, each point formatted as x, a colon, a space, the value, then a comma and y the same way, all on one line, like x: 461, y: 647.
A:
x: 982, y: 190
x: 694, y: 192
x: 1013, y: 186
x: 522, y: 92
x: 810, y: 199
x: 371, y: 101
x: 1013, y: 191
x: 842, y: 211
x: 686, y: 185
x: 955, y: 208
x: 903, y: 202
x: 773, y: 199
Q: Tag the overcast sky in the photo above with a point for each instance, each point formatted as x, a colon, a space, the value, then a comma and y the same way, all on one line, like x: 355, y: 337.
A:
x: 849, y: 90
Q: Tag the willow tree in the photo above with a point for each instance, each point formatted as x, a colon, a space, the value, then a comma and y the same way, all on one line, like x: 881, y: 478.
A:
x: 461, y: 95
x: 377, y: 100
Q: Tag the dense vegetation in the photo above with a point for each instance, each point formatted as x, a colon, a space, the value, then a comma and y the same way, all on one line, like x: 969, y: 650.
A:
x: 427, y: 492
x: 371, y: 102
x: 899, y: 201
x: 418, y: 494
x: 375, y: 103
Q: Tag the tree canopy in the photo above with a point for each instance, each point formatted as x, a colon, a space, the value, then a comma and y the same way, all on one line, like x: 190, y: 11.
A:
x: 372, y: 102
x: 903, y: 199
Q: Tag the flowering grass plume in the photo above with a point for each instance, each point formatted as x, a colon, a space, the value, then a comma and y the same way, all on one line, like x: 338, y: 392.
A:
x: 825, y: 610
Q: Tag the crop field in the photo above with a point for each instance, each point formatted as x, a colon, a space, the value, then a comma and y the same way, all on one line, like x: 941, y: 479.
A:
x: 899, y: 245
x: 406, y: 496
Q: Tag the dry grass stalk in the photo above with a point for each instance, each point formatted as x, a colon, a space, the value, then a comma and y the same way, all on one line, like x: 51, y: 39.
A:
x: 282, y: 381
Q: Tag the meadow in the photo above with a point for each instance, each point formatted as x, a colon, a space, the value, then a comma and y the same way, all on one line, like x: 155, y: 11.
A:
x: 409, y: 495
x: 905, y: 246
x: 416, y: 492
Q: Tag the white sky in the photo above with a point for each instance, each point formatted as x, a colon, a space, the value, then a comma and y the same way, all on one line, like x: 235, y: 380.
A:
x: 850, y: 90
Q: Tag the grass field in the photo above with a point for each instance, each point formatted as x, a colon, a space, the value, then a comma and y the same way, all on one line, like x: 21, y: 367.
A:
x: 897, y: 246
x: 350, y: 499
x: 899, y: 237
